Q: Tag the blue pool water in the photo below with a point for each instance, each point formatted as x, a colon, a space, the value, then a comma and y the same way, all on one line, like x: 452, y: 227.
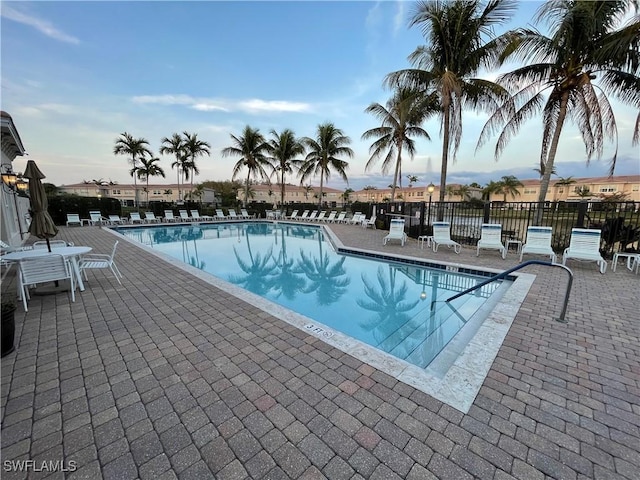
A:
x: 395, y: 307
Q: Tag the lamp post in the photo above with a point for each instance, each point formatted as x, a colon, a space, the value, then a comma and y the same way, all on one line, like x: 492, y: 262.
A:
x: 430, y: 188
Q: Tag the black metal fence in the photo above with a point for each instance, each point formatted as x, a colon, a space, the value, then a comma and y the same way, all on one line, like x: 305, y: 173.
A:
x: 619, y: 222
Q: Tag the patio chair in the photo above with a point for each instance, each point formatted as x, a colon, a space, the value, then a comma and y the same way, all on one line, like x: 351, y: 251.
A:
x: 195, y: 215
x: 585, y: 245
x: 52, y: 243
x: 96, y: 217
x: 321, y: 216
x: 442, y: 236
x: 342, y: 217
x: 491, y: 239
x: 312, y: 216
x: 219, y: 214
x: 293, y: 215
x: 538, y: 242
x: 245, y: 214
x: 150, y: 217
x: 44, y: 269
x: 304, y: 216
x: 100, y: 261
x: 168, y: 216
x: 134, y: 217
x: 232, y: 214
x: 357, y: 218
x: 370, y: 222
x: 396, y: 231
x: 115, y: 219
x: 73, y: 219
x: 332, y: 217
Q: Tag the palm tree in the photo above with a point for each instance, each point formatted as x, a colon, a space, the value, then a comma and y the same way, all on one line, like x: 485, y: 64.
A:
x: 346, y: 195
x: 491, y: 188
x: 540, y: 170
x: 401, y: 119
x: 583, y: 191
x: 460, y: 43
x: 133, y: 147
x: 464, y: 191
x: 412, y: 179
x: 193, y: 148
x: 284, y: 148
x: 174, y: 146
x: 329, y: 144
x: 565, y: 182
x: 250, y: 147
x: 559, y: 73
x: 509, y: 186
x: 149, y: 168
x: 307, y: 190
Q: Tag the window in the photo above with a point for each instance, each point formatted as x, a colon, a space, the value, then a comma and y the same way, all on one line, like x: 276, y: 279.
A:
x: 116, y: 192
x: 635, y: 188
x: 561, y: 190
x: 608, y: 189
x: 529, y: 191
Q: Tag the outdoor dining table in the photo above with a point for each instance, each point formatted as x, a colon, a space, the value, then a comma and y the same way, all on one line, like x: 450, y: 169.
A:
x: 72, y: 253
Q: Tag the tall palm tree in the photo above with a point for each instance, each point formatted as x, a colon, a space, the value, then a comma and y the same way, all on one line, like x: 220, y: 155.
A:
x: 135, y: 148
x: 464, y: 191
x: 412, y: 179
x: 401, y: 119
x: 251, y: 148
x: 491, y: 188
x: 149, y: 168
x: 194, y: 148
x: 509, y: 186
x: 459, y: 43
x: 174, y: 146
x: 284, y: 148
x: 559, y: 76
x: 324, y: 152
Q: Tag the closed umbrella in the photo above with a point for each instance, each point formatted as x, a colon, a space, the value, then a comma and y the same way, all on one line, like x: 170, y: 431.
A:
x: 42, y: 225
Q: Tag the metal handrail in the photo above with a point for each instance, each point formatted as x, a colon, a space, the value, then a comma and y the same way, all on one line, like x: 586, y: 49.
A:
x: 518, y: 267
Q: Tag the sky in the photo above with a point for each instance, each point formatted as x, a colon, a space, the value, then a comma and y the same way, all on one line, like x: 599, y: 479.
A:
x: 77, y: 74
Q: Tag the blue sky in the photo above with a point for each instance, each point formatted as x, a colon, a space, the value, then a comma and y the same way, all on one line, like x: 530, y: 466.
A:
x: 77, y: 74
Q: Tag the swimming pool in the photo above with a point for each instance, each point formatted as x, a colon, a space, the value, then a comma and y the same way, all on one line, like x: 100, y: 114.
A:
x: 394, y: 305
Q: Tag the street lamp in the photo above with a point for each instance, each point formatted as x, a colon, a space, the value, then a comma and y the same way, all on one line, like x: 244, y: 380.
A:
x: 430, y: 188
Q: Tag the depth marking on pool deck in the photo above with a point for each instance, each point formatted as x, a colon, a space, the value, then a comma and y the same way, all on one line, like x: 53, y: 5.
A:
x: 457, y: 385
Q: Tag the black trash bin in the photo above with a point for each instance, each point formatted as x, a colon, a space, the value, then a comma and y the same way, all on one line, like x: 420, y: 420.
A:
x: 8, y: 328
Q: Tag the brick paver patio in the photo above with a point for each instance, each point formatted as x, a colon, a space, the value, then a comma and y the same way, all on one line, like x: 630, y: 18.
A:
x: 169, y: 377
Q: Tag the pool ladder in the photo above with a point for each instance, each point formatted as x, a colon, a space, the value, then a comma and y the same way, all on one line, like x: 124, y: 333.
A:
x: 502, y: 275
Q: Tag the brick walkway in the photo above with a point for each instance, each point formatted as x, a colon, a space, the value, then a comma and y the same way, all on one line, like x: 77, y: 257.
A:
x: 168, y: 377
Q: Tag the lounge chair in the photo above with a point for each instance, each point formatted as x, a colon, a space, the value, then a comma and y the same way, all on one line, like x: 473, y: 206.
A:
x: 312, y: 216
x: 219, y: 214
x: 396, y: 231
x: 44, y: 269
x: 442, y: 236
x: 100, y: 261
x: 115, y: 219
x: 491, y: 239
x: 74, y: 219
x: 293, y: 215
x: 585, y: 245
x: 134, y: 217
x: 332, y: 217
x: 195, y: 215
x: 150, y: 217
x: 304, y: 216
x: 245, y: 214
x: 96, y: 218
x: 169, y: 217
x: 371, y: 222
x: 341, y: 217
x: 357, y: 218
x: 321, y: 216
x: 232, y: 214
x: 184, y: 215
x: 538, y: 242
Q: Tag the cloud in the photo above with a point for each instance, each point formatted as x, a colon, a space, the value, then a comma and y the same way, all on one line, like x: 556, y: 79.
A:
x: 254, y: 105
x: 43, y: 26
x: 398, y: 19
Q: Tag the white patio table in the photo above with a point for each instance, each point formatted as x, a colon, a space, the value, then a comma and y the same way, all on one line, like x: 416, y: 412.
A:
x: 72, y: 253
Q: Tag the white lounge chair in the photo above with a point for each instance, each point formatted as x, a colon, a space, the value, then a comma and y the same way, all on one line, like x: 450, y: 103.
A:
x: 442, y: 236
x: 134, y: 217
x: 117, y: 220
x: 491, y: 239
x: 357, y: 218
x: 304, y: 216
x: 538, y: 242
x: 184, y: 215
x: 370, y: 222
x: 341, y: 218
x: 321, y: 216
x: 233, y: 215
x: 100, y: 261
x: 74, y: 219
x: 585, y: 245
x: 195, y: 215
x: 293, y: 215
x: 396, y: 231
x: 245, y: 214
x: 313, y: 216
x: 150, y: 217
x: 219, y: 214
x: 332, y: 217
x: 95, y: 217
x: 44, y: 269
x: 168, y: 216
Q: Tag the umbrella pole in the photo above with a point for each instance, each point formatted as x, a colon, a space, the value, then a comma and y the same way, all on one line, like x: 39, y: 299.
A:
x: 48, y: 244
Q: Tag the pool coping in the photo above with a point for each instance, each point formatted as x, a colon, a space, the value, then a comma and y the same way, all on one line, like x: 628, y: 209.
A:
x: 458, y: 387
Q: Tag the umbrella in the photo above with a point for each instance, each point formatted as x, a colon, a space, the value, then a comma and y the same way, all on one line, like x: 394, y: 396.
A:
x: 42, y: 225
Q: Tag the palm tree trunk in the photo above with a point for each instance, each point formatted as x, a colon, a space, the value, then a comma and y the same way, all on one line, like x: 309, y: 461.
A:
x: 321, y: 186
x: 548, y: 166
x: 135, y: 184
x: 246, y: 190
x: 178, y: 180
x: 147, y: 191
x: 282, y: 189
x: 445, y: 155
x: 395, y: 175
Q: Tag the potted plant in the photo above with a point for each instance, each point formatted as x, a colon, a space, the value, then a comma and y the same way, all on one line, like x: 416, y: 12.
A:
x: 7, y: 315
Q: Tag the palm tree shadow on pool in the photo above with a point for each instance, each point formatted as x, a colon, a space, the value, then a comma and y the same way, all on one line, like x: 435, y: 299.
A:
x: 287, y: 280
